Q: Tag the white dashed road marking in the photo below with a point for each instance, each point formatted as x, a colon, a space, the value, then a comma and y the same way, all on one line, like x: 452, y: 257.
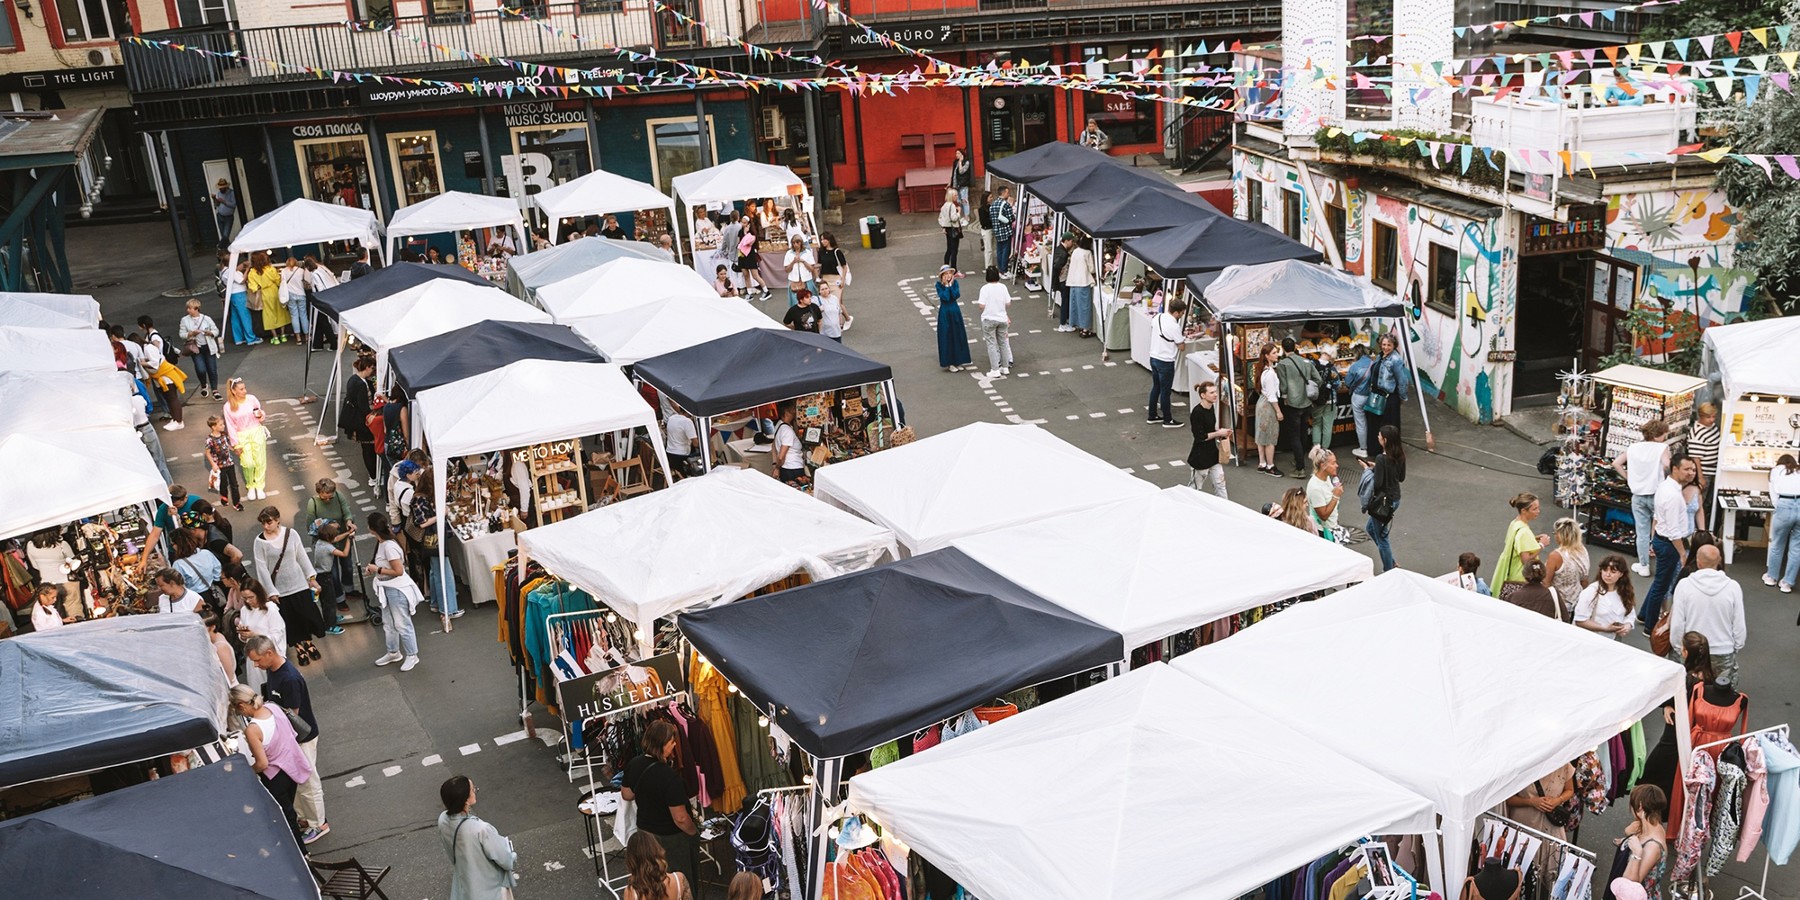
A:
x: 505, y: 739
x: 431, y: 760
x: 469, y: 749
x: 391, y: 771
x: 355, y: 782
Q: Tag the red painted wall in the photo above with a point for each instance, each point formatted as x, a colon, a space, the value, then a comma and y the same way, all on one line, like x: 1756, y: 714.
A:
x: 885, y: 119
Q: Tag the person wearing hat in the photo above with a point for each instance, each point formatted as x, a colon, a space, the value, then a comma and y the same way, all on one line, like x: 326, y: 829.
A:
x: 224, y: 201
x: 952, y: 333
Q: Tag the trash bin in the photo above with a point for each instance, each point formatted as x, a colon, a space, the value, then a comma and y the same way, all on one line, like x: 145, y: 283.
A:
x: 877, y: 233
x: 863, y: 224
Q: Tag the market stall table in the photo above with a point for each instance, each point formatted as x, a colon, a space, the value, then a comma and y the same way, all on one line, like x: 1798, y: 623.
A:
x: 597, y: 193
x: 1632, y: 397
x: 472, y: 560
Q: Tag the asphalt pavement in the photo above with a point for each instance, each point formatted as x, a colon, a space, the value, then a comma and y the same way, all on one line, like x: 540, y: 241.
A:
x: 388, y: 739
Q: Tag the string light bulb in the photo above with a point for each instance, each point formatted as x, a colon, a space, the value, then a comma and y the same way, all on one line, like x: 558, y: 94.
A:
x: 762, y: 721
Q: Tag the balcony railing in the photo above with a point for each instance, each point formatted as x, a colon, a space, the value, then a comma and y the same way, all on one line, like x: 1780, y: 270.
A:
x: 630, y: 23
x: 1650, y: 126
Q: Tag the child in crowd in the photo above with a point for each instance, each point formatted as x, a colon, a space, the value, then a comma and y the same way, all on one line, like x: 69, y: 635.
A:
x: 326, y: 553
x: 723, y: 284
x: 45, y: 615
x: 223, y: 464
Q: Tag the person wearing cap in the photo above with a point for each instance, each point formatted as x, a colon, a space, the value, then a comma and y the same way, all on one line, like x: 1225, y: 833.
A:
x: 224, y: 201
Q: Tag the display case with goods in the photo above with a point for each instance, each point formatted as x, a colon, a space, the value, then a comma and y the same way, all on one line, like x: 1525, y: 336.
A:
x: 557, y: 484
x: 1755, y: 432
x: 1627, y: 398
x: 1317, y: 341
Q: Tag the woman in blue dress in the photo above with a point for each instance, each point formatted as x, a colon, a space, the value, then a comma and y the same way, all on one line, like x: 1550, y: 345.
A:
x: 952, y: 335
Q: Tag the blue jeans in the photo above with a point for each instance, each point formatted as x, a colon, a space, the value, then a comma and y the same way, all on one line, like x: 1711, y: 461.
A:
x: 1379, y: 532
x: 1162, y: 385
x: 397, y: 624
x: 1002, y: 248
x: 1081, y: 307
x: 239, y: 323
x: 297, y: 310
x: 1784, y: 538
x: 1668, y: 565
x: 443, y: 587
x: 206, y: 368
x: 1643, y: 512
x: 1361, y: 416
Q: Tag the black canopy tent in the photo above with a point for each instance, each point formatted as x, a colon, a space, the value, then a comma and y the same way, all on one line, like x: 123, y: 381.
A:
x: 1142, y: 211
x: 1095, y: 183
x: 1211, y: 244
x: 847, y: 664
x: 385, y: 282
x: 210, y: 832
x: 482, y: 348
x: 106, y: 693
x: 759, y: 366
x: 1045, y: 160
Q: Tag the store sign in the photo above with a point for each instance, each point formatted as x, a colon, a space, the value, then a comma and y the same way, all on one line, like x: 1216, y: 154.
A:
x: 1585, y: 230
x: 494, y: 80
x: 520, y: 115
x: 914, y: 35
x: 328, y: 129
x: 526, y: 174
x: 626, y: 687
x: 57, y: 79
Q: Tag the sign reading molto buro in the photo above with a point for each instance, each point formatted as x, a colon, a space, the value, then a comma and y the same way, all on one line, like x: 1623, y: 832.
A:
x: 328, y: 129
x: 625, y: 687
x: 913, y: 35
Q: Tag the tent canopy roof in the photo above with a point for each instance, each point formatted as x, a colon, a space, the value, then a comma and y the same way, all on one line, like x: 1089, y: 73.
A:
x: 757, y: 366
x: 620, y: 284
x: 1095, y: 183
x: 671, y: 551
x: 1110, y: 563
x: 528, y: 402
x: 526, y: 272
x: 1290, y: 289
x: 933, y: 491
x: 433, y: 308
x: 64, y: 401
x: 106, y: 692
x: 1460, y: 743
x: 57, y: 477
x: 1213, y: 243
x: 233, y: 842
x: 54, y: 350
x: 1648, y: 379
x: 864, y: 658
x: 454, y: 211
x: 484, y: 347
x: 1757, y: 357
x: 1140, y: 211
x: 386, y: 282
x: 599, y: 192
x: 49, y: 310
x: 738, y: 179
x: 1045, y: 160
x: 303, y: 221
x: 1151, y: 731
x: 669, y: 324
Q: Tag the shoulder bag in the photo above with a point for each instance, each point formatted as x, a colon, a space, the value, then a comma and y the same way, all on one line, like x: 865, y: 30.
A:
x: 1660, y: 642
x: 303, y: 732
x: 275, y: 570
x: 510, y: 879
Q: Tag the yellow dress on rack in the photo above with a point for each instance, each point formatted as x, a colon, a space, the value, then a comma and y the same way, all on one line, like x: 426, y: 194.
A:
x: 712, y: 703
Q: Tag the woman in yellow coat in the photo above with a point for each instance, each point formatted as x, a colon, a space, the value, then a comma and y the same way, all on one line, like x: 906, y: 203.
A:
x: 264, y: 280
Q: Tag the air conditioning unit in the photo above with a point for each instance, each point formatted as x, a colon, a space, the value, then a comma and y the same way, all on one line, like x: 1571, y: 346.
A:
x: 773, y: 128
x: 101, y: 56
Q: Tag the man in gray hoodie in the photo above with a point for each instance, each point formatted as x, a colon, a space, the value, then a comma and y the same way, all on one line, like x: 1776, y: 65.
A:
x: 1709, y: 602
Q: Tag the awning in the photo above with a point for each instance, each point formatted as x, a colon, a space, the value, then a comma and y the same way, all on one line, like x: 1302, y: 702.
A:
x: 386, y: 282
x: 430, y: 309
x: 1096, y: 183
x: 846, y: 664
x: 49, y: 310
x: 1045, y: 160
x: 453, y: 211
x: 621, y: 284
x: 208, y: 832
x: 737, y: 179
x: 301, y: 222
x: 529, y: 402
x: 1756, y: 357
x: 106, y: 692
x: 1292, y: 290
x: 54, y: 478
x: 484, y: 347
x: 55, y: 350
x: 1140, y: 211
x: 758, y: 366
x: 526, y: 272
x: 1191, y: 775
x: 597, y: 193
x: 47, y: 402
x: 670, y: 324
x: 1212, y: 244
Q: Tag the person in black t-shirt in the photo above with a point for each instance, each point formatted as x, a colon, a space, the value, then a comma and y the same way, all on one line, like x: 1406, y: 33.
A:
x: 1205, y: 465
x: 804, y: 314
x: 662, y: 798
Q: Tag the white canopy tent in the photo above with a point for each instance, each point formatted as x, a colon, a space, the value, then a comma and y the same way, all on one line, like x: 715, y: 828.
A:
x: 727, y: 183
x: 55, y: 350
x: 433, y: 308
x: 1754, y: 357
x: 597, y: 193
x: 1110, y: 564
x: 300, y: 222
x: 528, y: 402
x: 976, y: 478
x: 1458, y: 739
x: 454, y: 211
x: 664, y: 326
x: 57, y: 477
x: 44, y: 402
x: 683, y: 549
x: 49, y: 310
x: 1194, y: 775
x: 620, y: 284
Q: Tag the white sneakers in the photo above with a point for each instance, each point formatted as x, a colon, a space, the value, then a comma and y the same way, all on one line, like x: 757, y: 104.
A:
x: 391, y: 658
x: 1642, y: 570
x: 174, y: 426
x: 407, y: 666
x: 992, y: 373
x: 1065, y: 328
x: 387, y: 658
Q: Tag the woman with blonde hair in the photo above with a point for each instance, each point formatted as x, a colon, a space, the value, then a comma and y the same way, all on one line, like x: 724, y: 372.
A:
x: 1568, y: 564
x: 274, y: 750
x: 264, y: 283
x: 647, y: 868
x: 1296, y: 512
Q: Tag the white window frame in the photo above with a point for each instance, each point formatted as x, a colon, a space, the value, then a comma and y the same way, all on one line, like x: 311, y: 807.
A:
x: 712, y: 136
x: 368, y: 156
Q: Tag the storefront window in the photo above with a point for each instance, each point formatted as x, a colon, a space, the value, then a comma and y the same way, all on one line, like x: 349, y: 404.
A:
x: 1016, y: 120
x: 205, y: 12
x: 448, y: 11
x: 418, y: 175
x: 86, y: 21
x: 1126, y: 120
x: 675, y: 147
x: 336, y: 170
x: 1442, y: 272
x: 565, y: 145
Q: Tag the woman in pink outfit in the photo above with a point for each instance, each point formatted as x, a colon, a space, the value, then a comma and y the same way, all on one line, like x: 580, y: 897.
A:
x: 249, y: 437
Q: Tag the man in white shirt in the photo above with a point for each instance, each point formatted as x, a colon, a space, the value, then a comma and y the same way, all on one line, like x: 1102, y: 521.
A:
x: 1673, y: 525
x: 680, y: 438
x: 173, y: 594
x: 1643, y: 464
x: 789, y: 455
x: 1165, y: 340
x: 1709, y: 602
x: 994, y: 299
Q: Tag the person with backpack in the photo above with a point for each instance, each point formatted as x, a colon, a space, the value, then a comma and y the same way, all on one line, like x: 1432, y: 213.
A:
x: 1299, y: 381
x: 396, y: 426
x: 1324, y: 410
x: 360, y: 410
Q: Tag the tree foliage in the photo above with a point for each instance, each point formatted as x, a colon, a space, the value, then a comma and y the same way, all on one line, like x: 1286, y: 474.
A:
x: 1768, y: 208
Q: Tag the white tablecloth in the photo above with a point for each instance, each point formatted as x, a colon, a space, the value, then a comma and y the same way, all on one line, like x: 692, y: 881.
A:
x: 472, y: 561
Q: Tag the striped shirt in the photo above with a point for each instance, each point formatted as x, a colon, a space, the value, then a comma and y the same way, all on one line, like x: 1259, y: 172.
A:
x: 1703, y: 446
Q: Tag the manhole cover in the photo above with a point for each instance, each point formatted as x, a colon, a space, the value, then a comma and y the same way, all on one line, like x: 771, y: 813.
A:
x: 183, y: 293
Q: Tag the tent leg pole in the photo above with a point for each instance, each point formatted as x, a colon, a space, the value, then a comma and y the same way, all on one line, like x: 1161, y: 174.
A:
x: 1229, y: 404
x: 1400, y: 338
x: 336, y: 414
x: 825, y: 784
x: 706, y: 436
x: 1434, y: 862
x: 893, y: 404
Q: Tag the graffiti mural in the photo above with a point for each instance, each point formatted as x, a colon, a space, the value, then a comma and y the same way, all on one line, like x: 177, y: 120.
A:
x: 1353, y: 232
x: 1683, y: 243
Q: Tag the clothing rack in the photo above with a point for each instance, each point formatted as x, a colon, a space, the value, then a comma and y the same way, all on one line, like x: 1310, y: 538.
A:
x: 1760, y: 892
x: 782, y: 790
x: 1579, y: 887
x: 1773, y: 729
x: 610, y: 883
